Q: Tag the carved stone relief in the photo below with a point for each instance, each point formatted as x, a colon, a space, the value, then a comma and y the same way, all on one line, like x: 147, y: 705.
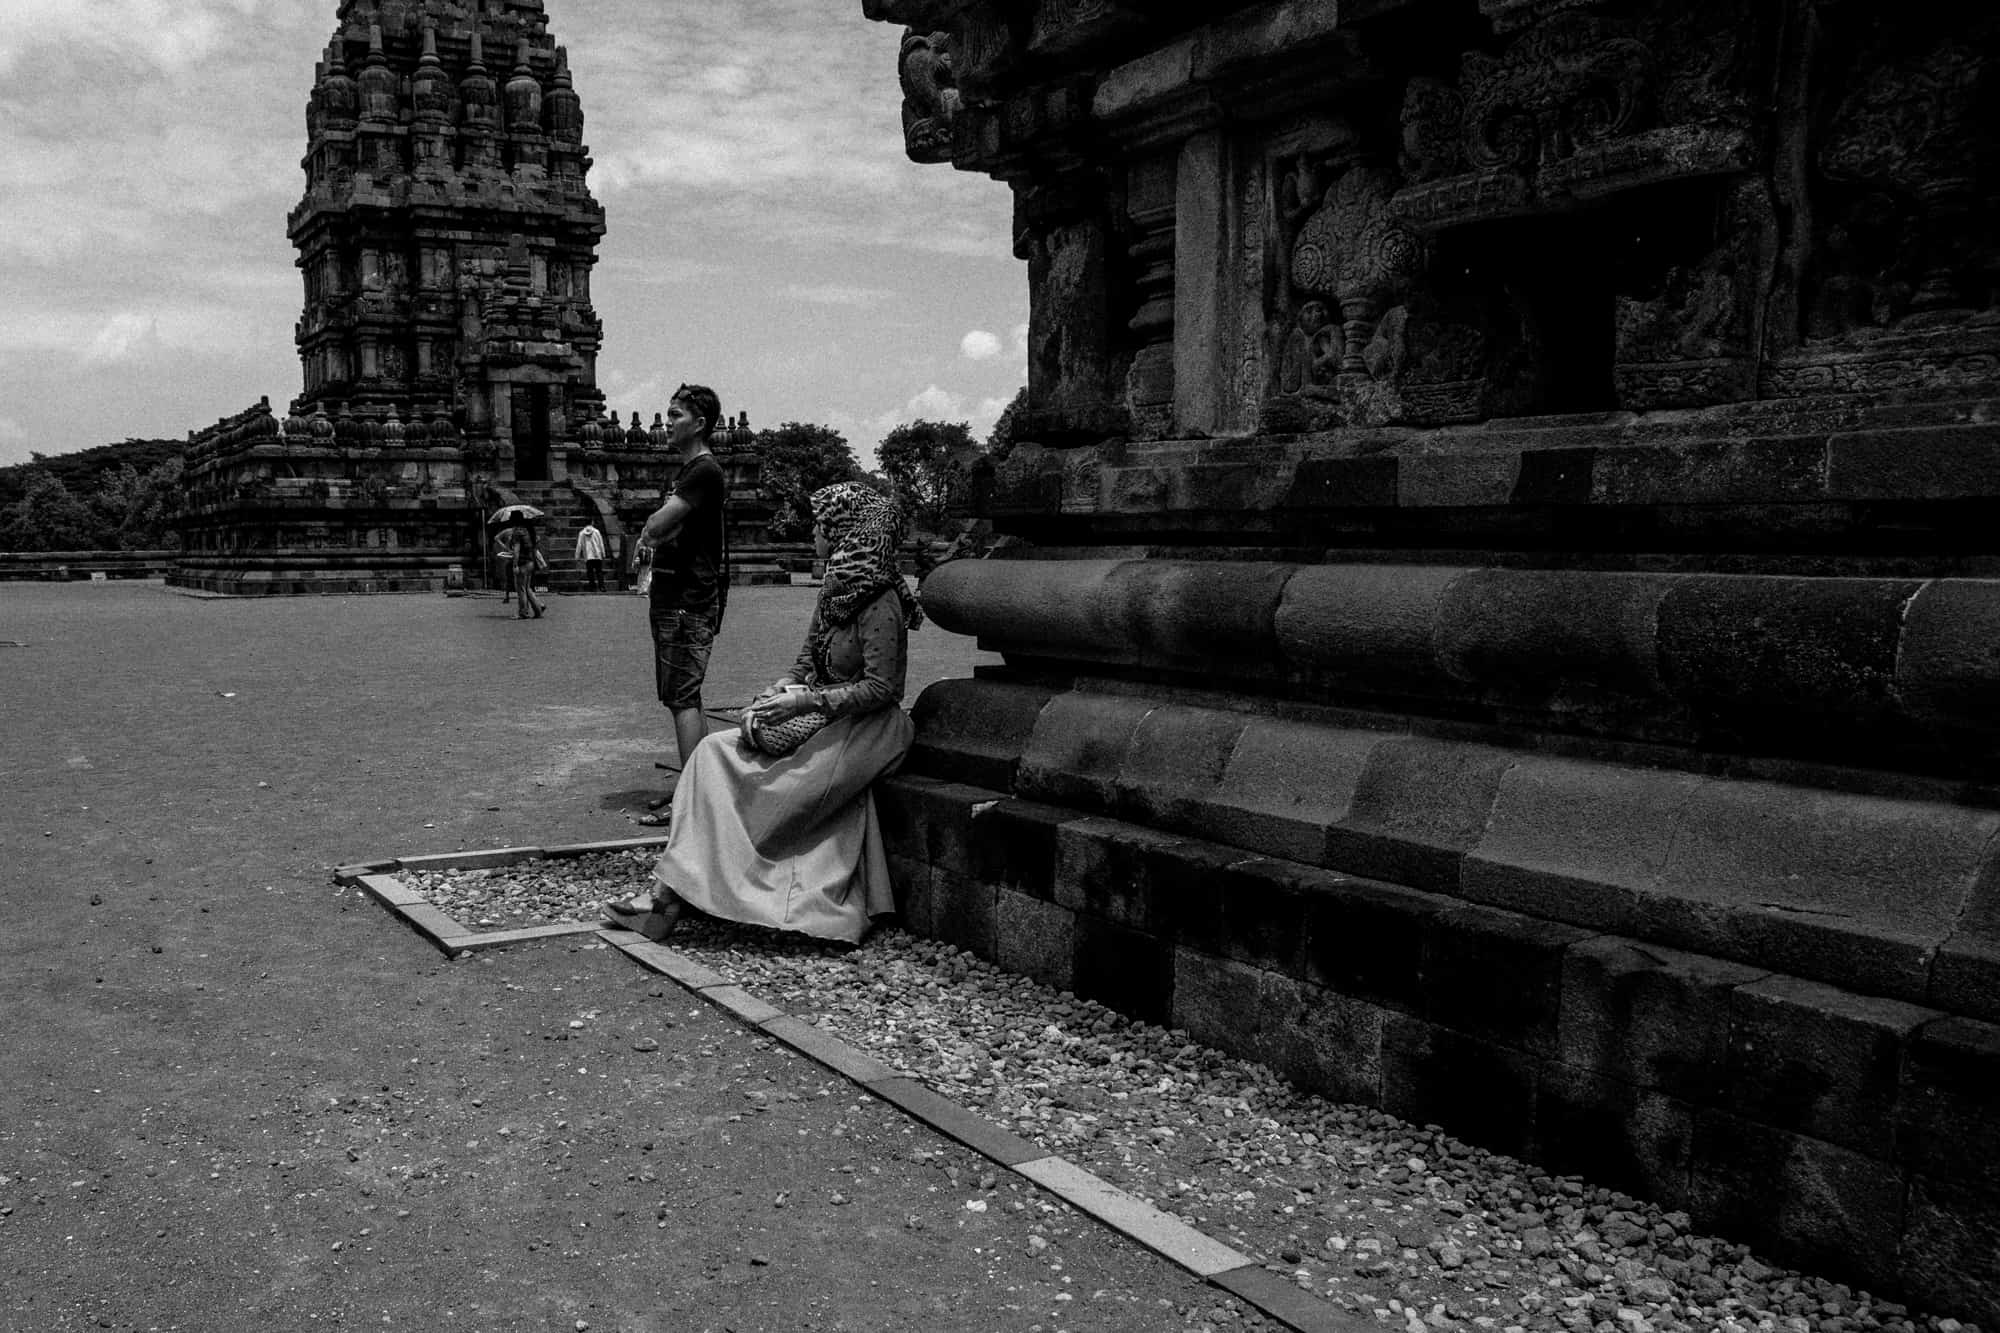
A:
x: 930, y: 95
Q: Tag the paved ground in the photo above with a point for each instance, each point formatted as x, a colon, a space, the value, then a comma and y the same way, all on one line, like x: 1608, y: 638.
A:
x: 234, y: 1098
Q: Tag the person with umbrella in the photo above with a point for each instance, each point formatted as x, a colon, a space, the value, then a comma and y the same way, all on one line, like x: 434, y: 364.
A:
x: 517, y: 536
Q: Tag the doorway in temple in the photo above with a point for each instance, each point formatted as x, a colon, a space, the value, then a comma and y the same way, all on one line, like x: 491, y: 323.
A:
x: 531, y: 432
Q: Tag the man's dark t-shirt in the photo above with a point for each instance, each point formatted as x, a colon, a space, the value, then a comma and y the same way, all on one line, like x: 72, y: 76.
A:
x: 687, y: 571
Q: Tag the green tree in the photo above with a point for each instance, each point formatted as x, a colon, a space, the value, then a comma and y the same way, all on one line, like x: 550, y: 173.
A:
x: 798, y: 459
x: 1000, y: 441
x: 48, y: 518
x: 925, y: 462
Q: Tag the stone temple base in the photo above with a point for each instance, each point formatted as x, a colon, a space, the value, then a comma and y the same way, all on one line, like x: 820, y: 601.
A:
x: 368, y: 572
x: 1765, y: 1003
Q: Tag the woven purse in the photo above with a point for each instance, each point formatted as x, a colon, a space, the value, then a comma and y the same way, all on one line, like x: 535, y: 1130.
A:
x: 784, y: 737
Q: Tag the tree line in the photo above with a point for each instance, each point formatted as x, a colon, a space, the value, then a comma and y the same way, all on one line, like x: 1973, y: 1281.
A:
x: 924, y: 464
x: 115, y: 497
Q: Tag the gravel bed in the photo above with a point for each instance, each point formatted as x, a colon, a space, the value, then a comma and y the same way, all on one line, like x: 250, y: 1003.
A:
x: 1371, y: 1212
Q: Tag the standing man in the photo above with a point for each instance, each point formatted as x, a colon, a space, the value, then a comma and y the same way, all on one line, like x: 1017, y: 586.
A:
x: 590, y: 553
x: 690, y: 585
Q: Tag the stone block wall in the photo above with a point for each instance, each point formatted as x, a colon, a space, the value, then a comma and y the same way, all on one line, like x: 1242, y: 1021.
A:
x: 1830, y: 1127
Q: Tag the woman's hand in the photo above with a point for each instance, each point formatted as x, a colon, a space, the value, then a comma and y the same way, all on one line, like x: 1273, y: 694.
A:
x: 783, y: 706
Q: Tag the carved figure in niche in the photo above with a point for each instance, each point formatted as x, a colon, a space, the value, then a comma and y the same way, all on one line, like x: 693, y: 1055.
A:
x: 1863, y: 256
x: 1694, y: 317
x: 1312, y: 352
x: 1910, y: 134
x: 1354, y: 250
x: 930, y: 95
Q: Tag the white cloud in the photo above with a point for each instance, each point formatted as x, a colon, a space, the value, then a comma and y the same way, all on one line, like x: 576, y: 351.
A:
x: 125, y: 335
x: 979, y: 345
x: 12, y: 431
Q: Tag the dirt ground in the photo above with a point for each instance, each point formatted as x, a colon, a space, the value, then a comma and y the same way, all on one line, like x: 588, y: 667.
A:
x: 236, y: 1097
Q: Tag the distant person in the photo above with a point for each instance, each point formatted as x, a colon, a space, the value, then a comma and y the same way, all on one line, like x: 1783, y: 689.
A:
x: 590, y: 554
x: 503, y: 559
x: 683, y: 540
x: 528, y: 561
x: 791, y: 840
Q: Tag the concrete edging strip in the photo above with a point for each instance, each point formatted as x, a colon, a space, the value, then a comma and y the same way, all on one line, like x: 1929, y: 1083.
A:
x: 1130, y: 1216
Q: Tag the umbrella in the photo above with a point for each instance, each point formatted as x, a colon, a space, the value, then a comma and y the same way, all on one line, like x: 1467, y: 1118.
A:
x: 513, y: 514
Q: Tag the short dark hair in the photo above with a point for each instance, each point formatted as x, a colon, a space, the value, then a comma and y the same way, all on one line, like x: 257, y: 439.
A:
x: 701, y: 401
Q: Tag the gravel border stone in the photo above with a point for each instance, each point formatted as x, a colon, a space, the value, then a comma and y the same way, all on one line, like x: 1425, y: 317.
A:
x: 1369, y: 1213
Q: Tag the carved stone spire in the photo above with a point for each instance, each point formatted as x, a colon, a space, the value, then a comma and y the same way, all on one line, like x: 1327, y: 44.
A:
x: 431, y: 91
x: 563, y: 108
x: 379, y: 84
x: 339, y: 99
x: 524, y: 95
x: 478, y: 94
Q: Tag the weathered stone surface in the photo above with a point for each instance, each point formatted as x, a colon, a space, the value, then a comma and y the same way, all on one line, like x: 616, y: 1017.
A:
x: 1854, y: 890
x: 1174, y: 762
x: 1577, y: 842
x: 1948, y: 659
x: 1013, y: 845
x: 1649, y: 1016
x: 1053, y: 608
x: 1614, y: 1134
x: 963, y: 912
x: 1284, y: 786
x: 1496, y: 976
x: 1368, y: 940
x: 1561, y: 640
x: 1951, y: 1243
x: 1369, y: 626
x: 1420, y: 805
x: 1194, y: 617
x: 1432, y: 1075
x: 1124, y: 970
x: 1229, y: 905
x: 1101, y: 869
x: 1948, y: 1115
x: 1805, y: 1201
x: 1036, y: 938
x: 974, y: 730
x: 1317, y: 1038
x: 1809, y: 1057
x: 1753, y: 656
x: 1078, y: 749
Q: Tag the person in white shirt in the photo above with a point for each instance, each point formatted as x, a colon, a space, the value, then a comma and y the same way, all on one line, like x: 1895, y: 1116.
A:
x: 590, y: 552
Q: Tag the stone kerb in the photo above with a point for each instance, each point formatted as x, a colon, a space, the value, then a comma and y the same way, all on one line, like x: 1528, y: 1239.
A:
x: 1715, y: 661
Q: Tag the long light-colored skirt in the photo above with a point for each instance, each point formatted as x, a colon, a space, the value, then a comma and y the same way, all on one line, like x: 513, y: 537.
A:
x: 791, y: 842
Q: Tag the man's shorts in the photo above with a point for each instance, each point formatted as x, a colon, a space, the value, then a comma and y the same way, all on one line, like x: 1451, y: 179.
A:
x: 681, y: 644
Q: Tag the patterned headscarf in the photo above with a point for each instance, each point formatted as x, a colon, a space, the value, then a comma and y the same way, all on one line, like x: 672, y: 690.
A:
x: 865, y: 530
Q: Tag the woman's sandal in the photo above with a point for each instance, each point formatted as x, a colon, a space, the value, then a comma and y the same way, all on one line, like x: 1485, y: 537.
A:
x: 655, y: 920
x: 660, y: 818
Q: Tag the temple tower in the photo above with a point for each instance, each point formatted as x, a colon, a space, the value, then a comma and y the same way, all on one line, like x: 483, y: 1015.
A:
x: 448, y: 342
x: 447, y: 232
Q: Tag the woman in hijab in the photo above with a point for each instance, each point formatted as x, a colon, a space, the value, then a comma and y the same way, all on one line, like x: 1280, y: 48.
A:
x: 792, y: 841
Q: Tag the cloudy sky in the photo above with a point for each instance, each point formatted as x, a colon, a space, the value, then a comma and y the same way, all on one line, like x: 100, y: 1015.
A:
x: 767, y: 235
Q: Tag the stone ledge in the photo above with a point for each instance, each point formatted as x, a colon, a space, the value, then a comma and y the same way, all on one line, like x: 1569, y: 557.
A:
x: 1895, y: 896
x: 1728, y: 662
